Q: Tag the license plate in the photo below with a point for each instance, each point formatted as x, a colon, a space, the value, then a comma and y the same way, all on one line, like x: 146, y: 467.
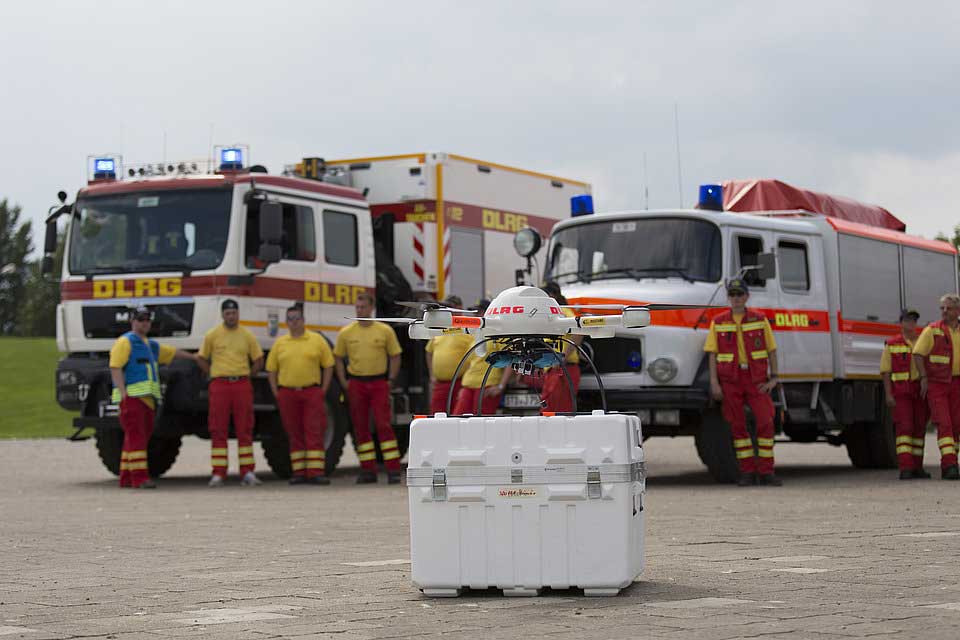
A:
x: 521, y: 401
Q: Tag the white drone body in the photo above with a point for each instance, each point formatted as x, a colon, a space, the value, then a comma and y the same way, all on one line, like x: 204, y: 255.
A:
x: 527, y: 311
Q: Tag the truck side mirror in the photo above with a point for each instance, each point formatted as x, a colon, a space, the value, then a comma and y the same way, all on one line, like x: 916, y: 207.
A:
x: 49, y: 248
x: 766, y: 266
x: 271, y: 223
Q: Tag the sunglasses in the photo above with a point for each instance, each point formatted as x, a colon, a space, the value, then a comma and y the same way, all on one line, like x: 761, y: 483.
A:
x: 736, y: 294
x: 144, y: 318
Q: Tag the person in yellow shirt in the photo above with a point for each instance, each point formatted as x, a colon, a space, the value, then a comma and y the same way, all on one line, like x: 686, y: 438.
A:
x: 444, y: 353
x: 743, y: 371
x: 373, y: 354
x: 556, y: 388
x: 230, y: 354
x: 300, y: 370
x: 134, y: 369
x: 937, y: 356
x: 477, y: 367
x: 901, y: 385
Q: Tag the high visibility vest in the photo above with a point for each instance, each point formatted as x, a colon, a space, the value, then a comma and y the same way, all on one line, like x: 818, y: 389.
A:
x: 754, y: 342
x: 940, y: 359
x: 901, y: 356
x: 141, y: 373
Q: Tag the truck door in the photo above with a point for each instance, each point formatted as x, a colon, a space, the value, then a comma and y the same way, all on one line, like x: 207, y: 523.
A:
x: 801, y: 320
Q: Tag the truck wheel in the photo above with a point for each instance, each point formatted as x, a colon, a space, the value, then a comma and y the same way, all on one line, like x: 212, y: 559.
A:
x: 883, y: 442
x: 856, y: 439
x: 161, y: 454
x: 338, y: 426
x: 109, y: 446
x: 715, y: 447
x: 275, y: 446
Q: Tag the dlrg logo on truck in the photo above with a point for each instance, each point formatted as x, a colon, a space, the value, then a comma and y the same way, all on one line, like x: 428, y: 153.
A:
x: 139, y: 288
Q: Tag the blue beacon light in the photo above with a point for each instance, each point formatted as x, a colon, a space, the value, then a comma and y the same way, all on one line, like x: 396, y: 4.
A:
x: 581, y: 205
x: 711, y: 197
x: 104, y: 169
x: 231, y: 159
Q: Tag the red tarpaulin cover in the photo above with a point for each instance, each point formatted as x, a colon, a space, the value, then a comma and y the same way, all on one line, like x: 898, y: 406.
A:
x: 773, y: 195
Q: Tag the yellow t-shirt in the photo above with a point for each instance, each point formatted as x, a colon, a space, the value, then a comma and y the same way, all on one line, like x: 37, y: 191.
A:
x: 120, y: 355
x: 886, y: 364
x: 924, y: 346
x: 367, y: 348
x: 478, y: 366
x: 447, y: 352
x: 231, y: 351
x: 710, y: 346
x: 298, y: 361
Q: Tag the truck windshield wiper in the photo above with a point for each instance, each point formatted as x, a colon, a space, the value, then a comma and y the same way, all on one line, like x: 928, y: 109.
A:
x: 554, y: 276
x: 636, y: 272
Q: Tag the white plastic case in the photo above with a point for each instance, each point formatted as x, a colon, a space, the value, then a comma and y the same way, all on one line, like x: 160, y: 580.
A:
x: 521, y: 503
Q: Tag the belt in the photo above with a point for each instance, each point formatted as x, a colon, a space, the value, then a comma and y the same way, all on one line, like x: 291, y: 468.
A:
x: 381, y: 376
x: 232, y: 378
x: 309, y: 386
x: 744, y: 367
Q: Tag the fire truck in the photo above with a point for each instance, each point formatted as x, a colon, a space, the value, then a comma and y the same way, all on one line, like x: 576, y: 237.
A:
x: 183, y: 237
x: 830, y: 274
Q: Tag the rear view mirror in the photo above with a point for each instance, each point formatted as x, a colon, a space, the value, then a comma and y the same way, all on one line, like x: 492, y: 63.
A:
x: 636, y: 317
x: 49, y: 248
x: 270, y: 253
x: 766, y: 266
x: 271, y: 223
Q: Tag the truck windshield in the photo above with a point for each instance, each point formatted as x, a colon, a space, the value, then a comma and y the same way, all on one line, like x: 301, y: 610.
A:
x: 150, y: 231
x: 636, y: 248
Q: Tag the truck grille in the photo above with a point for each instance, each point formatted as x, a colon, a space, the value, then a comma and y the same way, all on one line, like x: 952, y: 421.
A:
x: 615, y: 355
x: 169, y: 320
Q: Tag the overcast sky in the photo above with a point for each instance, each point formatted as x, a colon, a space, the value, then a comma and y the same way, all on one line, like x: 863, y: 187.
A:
x: 854, y: 98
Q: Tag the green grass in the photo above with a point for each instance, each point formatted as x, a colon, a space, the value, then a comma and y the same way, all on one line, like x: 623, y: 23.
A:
x: 28, y: 403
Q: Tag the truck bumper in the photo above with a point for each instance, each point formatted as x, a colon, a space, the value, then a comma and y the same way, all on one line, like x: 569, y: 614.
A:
x: 662, y: 410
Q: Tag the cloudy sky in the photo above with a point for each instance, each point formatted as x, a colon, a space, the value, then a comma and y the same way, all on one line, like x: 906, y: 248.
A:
x: 855, y: 98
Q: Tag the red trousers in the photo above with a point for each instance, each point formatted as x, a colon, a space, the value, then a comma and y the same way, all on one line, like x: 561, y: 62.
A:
x: 231, y: 398
x: 910, y: 416
x: 556, y: 391
x: 944, y: 401
x: 366, y: 396
x: 467, y: 402
x: 136, y: 418
x: 438, y: 398
x: 304, y: 415
x: 736, y: 396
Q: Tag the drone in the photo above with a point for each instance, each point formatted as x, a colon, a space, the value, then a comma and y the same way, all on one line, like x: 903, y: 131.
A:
x: 524, y: 320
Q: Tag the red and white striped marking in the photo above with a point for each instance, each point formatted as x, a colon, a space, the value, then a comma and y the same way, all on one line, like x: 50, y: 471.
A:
x: 418, y: 253
x: 446, y: 259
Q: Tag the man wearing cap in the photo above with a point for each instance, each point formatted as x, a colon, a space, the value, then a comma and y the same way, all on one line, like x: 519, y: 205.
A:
x: 743, y: 371
x: 444, y: 354
x: 901, y: 385
x: 230, y: 354
x: 300, y: 369
x: 937, y: 356
x: 134, y: 369
x: 556, y: 387
x: 471, y: 392
x: 373, y: 352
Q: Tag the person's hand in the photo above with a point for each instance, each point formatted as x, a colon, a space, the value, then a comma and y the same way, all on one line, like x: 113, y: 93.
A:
x: 923, y: 387
x: 490, y: 392
x: 767, y: 386
x: 891, y: 402
x: 716, y: 392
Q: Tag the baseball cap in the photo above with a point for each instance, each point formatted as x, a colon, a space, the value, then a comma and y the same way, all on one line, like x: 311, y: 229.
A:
x: 453, y: 301
x: 909, y: 313
x: 229, y: 303
x: 142, y: 313
x: 737, y: 284
x: 551, y: 288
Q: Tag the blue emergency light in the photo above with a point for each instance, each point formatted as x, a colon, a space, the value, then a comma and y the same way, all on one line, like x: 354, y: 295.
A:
x: 711, y: 197
x: 581, y: 205
x: 231, y: 159
x: 104, y: 169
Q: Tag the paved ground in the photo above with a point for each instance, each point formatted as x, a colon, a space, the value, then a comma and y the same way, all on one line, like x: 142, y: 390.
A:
x: 836, y: 553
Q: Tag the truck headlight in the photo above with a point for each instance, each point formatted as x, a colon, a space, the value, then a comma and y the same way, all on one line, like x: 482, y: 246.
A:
x: 663, y: 370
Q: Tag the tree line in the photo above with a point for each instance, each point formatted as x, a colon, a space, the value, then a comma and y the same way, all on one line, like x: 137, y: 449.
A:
x: 28, y: 299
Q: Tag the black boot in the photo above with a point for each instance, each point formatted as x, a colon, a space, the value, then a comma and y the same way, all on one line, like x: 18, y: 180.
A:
x: 921, y: 474
x: 951, y: 473
x: 747, y: 480
x: 298, y: 480
x: 367, y: 477
x: 907, y: 474
x: 771, y: 480
x: 393, y: 478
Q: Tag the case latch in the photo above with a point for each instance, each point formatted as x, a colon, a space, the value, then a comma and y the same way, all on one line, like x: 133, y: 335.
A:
x: 439, y: 484
x: 593, y: 483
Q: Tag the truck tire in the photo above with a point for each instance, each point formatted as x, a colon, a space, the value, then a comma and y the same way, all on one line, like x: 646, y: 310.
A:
x: 883, y: 442
x: 715, y: 447
x: 109, y: 445
x: 161, y: 454
x: 276, y: 447
x: 858, y: 445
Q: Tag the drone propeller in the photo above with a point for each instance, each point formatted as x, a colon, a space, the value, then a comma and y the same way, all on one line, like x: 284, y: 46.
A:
x: 652, y: 307
x: 432, y: 306
x: 396, y: 320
